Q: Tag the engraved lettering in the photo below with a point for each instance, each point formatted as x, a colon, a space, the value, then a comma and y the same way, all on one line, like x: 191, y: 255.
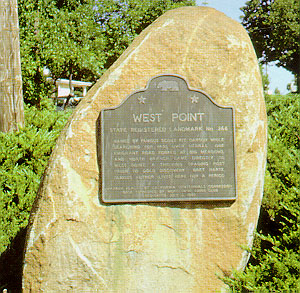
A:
x: 118, y: 129
x: 198, y: 163
x: 120, y: 165
x: 126, y: 177
x: 216, y: 169
x: 122, y: 171
x: 149, y: 140
x: 223, y: 128
x: 126, y: 140
x: 147, y: 129
x: 218, y: 163
x: 183, y: 117
x: 136, y: 159
x: 217, y: 139
x: 138, y: 165
x: 186, y: 128
x: 146, y: 117
x: 168, y: 140
x: 197, y: 139
x: 149, y: 171
x: 198, y: 169
x: 145, y: 177
x: 217, y: 175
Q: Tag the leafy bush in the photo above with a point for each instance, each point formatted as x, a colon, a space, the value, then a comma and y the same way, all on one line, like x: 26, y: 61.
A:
x: 23, y: 158
x: 275, y: 261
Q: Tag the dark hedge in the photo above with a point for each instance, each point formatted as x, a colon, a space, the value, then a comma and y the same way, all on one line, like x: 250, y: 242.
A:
x: 275, y: 258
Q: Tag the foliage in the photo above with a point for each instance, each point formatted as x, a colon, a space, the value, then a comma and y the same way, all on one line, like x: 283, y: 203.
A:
x: 62, y: 36
x: 274, y: 27
x: 265, y: 79
x: 79, y: 37
x: 275, y: 263
x: 23, y: 158
x: 123, y: 20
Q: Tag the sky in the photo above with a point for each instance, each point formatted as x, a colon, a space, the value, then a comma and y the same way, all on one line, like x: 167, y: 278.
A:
x: 278, y: 76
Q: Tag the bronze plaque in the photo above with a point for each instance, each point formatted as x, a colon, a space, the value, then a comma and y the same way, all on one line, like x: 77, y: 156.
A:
x: 167, y: 143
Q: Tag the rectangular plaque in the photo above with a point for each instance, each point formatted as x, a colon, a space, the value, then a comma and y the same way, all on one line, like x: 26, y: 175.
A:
x: 167, y: 143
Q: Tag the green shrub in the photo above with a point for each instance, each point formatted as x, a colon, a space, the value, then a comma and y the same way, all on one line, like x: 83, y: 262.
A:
x: 23, y: 158
x: 275, y: 260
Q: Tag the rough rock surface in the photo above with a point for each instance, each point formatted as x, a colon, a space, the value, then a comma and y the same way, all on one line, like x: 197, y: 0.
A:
x: 77, y: 244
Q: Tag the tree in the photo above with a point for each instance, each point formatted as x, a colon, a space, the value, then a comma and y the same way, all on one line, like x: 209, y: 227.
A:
x: 81, y: 38
x: 274, y: 27
x: 265, y: 78
x: 123, y: 20
x: 11, y: 99
x: 62, y: 36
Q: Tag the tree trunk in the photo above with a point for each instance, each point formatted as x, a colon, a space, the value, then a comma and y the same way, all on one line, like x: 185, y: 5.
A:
x: 298, y: 82
x: 11, y: 98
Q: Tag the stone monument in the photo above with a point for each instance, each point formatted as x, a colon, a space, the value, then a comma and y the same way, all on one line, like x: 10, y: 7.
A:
x: 80, y: 243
